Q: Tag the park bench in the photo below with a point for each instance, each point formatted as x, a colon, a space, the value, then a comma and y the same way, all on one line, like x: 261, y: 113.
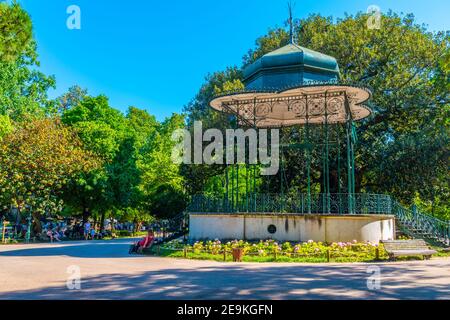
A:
x: 145, y: 249
x: 417, y: 247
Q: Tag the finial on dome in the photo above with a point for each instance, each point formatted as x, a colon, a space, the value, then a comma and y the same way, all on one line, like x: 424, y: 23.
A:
x: 291, y: 23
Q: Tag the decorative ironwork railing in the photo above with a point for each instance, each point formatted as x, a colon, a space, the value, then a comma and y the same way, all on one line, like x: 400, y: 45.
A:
x: 294, y: 203
x: 359, y: 203
x: 425, y: 224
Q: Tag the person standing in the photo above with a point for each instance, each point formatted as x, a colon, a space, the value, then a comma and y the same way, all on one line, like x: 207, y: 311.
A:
x: 93, y: 233
x: 50, y: 233
x: 87, y: 230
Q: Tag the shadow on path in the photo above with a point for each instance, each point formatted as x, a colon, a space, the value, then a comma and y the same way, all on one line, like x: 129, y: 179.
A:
x: 232, y: 281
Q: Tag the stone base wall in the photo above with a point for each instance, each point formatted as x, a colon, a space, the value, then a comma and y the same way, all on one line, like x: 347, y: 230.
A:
x: 291, y: 227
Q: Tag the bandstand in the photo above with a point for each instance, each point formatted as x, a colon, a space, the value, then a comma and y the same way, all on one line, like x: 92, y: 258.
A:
x: 297, y: 89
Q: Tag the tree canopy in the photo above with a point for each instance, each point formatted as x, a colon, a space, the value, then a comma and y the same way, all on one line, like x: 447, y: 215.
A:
x: 15, y: 31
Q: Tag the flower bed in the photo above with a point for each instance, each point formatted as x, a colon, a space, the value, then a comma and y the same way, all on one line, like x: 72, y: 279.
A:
x: 270, y: 250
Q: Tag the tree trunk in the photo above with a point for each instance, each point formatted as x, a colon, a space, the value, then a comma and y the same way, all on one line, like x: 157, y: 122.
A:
x: 138, y: 226
x: 112, y: 223
x: 102, y: 222
x: 85, y: 215
x: 36, y: 224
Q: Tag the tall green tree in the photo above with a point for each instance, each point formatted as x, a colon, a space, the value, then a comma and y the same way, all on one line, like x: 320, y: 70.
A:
x: 24, y: 89
x: 37, y: 160
x: 15, y: 31
x: 141, y: 125
x: 102, y: 130
x: 161, y: 181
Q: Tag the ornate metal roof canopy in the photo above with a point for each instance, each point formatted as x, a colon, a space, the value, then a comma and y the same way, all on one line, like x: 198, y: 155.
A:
x: 304, y: 104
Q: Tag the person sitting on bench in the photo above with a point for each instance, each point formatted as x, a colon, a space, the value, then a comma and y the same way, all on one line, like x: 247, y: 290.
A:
x: 144, y: 243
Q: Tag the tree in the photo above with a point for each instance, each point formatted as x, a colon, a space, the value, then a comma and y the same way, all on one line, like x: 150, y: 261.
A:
x: 118, y: 141
x: 23, y: 88
x: 124, y: 173
x: 72, y: 98
x: 141, y: 125
x: 15, y: 31
x: 167, y: 201
x: 102, y: 130
x: 160, y: 176
x: 37, y: 159
x: 123, y: 178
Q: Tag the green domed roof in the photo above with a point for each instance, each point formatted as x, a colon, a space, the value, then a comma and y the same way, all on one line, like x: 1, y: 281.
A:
x: 290, y: 65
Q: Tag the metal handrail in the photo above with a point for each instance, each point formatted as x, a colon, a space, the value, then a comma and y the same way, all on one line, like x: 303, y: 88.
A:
x: 429, y: 226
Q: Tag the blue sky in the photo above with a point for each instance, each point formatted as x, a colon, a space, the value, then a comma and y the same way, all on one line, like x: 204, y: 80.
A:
x: 155, y: 54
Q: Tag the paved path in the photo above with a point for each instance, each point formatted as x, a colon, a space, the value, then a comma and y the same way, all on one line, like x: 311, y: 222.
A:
x: 39, y: 271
